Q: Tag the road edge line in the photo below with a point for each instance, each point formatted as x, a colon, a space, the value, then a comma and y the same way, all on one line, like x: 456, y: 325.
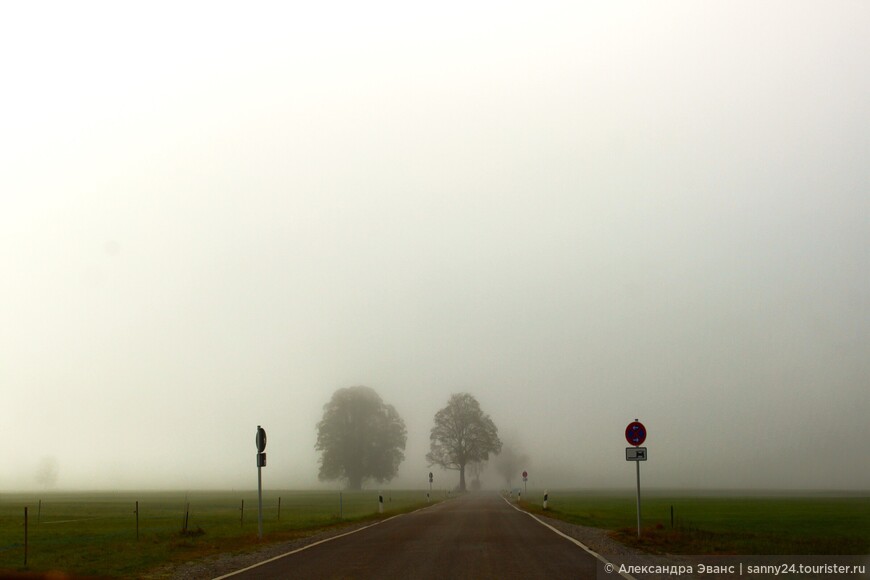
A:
x: 625, y: 575
x: 317, y: 543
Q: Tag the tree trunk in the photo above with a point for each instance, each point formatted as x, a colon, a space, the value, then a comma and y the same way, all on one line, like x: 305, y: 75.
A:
x: 462, y: 477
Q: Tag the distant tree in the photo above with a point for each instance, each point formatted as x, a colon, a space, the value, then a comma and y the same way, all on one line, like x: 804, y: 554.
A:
x: 510, y: 463
x: 47, y: 471
x: 361, y: 438
x: 475, y: 469
x: 462, y: 434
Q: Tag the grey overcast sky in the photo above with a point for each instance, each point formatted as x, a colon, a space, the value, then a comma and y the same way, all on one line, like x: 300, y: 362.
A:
x: 213, y: 215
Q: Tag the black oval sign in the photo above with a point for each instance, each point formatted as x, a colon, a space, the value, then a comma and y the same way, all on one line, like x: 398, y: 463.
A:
x: 261, y: 439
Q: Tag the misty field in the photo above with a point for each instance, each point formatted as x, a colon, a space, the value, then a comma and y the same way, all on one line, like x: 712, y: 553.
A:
x: 706, y: 524
x: 95, y: 533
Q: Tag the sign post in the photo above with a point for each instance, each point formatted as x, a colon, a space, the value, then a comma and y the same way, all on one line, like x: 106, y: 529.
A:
x: 525, y: 479
x: 428, y: 495
x: 635, y: 434
x: 261, y: 463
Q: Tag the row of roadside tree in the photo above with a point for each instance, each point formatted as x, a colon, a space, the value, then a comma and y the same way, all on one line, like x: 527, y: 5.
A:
x: 361, y: 437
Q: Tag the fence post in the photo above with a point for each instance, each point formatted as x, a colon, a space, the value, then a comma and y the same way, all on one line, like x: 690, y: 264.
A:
x: 186, y: 516
x: 25, y: 536
x: 136, y: 511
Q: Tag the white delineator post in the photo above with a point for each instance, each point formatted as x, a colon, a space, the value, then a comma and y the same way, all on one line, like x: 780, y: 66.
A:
x: 380, y: 503
x: 546, y: 497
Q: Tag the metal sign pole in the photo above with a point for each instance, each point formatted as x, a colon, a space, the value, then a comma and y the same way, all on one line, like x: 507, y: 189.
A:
x: 260, y: 494
x: 637, y: 464
x: 635, y: 434
x: 261, y: 462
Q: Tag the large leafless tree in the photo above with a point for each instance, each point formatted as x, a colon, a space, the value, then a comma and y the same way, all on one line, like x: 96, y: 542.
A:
x: 462, y: 434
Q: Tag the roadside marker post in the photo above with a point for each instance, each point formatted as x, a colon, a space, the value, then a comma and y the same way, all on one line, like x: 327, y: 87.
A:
x: 525, y: 479
x: 430, y: 488
x: 635, y: 434
x: 380, y: 503
x: 261, y: 463
x: 546, y: 497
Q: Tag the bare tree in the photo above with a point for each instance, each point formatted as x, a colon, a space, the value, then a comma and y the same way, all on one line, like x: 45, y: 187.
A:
x: 475, y: 469
x: 47, y: 471
x: 462, y: 434
x: 510, y: 463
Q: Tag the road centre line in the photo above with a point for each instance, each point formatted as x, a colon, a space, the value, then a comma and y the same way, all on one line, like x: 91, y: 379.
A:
x: 569, y: 538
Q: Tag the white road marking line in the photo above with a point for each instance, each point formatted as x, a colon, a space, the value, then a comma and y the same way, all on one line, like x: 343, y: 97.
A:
x: 569, y: 538
x: 251, y: 567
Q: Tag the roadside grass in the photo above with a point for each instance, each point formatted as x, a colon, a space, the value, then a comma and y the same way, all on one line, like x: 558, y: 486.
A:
x: 94, y: 534
x: 721, y: 525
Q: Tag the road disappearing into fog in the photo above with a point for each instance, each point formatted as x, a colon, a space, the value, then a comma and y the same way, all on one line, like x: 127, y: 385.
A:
x: 474, y: 536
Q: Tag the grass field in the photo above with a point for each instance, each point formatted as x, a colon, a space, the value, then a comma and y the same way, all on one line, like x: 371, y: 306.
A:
x: 95, y: 533
x: 706, y: 524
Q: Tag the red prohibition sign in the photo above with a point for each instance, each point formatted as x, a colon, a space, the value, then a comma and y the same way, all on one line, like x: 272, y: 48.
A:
x: 635, y: 433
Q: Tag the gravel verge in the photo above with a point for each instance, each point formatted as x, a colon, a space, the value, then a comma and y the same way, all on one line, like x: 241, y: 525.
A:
x: 220, y: 564
x: 615, y: 552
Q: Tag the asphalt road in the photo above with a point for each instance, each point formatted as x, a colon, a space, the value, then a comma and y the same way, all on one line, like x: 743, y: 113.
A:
x: 475, y: 536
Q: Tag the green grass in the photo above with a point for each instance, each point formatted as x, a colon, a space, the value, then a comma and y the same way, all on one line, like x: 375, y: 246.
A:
x: 721, y: 525
x: 95, y: 533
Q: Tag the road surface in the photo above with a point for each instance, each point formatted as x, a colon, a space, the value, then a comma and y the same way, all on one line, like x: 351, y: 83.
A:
x: 475, y: 536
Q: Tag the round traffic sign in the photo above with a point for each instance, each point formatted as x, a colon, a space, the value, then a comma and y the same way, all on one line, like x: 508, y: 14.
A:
x: 635, y: 433
x: 525, y: 474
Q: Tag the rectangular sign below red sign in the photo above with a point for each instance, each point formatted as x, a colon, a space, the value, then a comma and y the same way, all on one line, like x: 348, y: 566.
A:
x: 635, y: 453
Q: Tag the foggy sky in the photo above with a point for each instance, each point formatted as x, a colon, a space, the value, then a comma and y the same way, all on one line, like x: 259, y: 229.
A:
x: 212, y: 217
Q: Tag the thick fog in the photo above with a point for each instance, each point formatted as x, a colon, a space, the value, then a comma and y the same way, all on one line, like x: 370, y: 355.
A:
x: 214, y: 216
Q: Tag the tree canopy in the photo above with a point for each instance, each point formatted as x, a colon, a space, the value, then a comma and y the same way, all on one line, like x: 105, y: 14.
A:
x: 462, y: 434
x: 360, y: 438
